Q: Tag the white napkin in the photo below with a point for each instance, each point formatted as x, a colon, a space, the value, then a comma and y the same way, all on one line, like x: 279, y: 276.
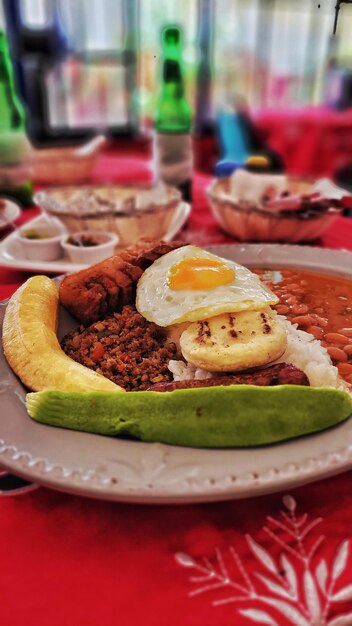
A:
x: 250, y: 187
x: 327, y: 189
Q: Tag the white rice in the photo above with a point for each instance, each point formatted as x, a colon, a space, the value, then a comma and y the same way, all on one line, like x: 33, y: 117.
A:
x: 186, y: 371
x: 303, y: 351
x: 307, y: 353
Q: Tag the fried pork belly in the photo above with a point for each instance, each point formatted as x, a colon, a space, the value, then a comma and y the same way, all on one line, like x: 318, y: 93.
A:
x: 103, y: 288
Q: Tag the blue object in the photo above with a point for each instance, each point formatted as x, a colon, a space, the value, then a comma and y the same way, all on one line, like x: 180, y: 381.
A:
x: 226, y: 168
x: 232, y: 137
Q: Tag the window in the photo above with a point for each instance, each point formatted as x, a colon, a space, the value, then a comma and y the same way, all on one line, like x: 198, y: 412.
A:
x: 103, y: 69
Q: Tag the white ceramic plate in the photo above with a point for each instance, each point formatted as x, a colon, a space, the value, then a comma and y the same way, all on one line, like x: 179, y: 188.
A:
x: 102, y: 467
x: 11, y: 254
x: 8, y: 213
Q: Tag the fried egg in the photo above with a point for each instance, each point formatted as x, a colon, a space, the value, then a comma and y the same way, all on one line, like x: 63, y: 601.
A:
x: 190, y: 284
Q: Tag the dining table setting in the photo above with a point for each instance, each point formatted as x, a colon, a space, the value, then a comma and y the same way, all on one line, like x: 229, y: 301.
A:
x: 102, y: 530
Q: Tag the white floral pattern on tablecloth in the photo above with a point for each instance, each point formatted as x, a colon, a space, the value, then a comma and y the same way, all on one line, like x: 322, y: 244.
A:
x: 297, y: 586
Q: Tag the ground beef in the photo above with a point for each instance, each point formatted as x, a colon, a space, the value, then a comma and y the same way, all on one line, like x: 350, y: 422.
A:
x: 125, y: 348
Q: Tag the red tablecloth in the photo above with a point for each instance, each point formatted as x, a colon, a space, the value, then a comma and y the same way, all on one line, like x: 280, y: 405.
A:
x: 283, y: 559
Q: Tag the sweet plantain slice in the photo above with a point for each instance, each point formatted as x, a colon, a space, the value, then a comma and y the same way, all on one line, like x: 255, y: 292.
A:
x: 213, y: 417
x: 32, y: 348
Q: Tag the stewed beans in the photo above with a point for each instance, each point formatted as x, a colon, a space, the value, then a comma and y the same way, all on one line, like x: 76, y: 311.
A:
x: 321, y: 305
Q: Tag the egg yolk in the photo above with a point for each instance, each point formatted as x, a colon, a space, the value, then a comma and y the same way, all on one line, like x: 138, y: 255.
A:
x: 199, y: 274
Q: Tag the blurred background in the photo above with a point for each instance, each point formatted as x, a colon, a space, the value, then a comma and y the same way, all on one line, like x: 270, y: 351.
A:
x: 271, y: 68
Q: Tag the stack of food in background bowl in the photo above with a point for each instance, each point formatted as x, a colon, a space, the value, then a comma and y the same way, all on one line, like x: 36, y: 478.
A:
x: 130, y: 211
x: 261, y: 206
x: 88, y: 222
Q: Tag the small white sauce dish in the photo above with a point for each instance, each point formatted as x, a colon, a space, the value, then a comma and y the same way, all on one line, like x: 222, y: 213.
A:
x: 92, y: 246
x: 40, y: 243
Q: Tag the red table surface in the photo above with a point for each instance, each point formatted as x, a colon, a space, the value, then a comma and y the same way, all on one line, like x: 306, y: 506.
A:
x: 283, y: 559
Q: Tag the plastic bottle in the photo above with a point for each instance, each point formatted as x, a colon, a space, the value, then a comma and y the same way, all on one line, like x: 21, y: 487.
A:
x: 14, y: 145
x: 173, y: 142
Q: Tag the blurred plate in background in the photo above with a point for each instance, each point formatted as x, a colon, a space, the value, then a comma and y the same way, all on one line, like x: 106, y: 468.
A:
x: 9, y: 212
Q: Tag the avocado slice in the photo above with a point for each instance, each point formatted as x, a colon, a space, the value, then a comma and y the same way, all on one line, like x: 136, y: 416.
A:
x: 208, y: 417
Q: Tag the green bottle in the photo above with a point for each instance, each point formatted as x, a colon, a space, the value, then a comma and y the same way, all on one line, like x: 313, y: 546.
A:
x: 14, y: 145
x: 173, y: 142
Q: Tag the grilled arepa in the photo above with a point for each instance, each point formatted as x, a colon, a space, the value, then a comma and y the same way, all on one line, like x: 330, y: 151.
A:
x: 234, y: 341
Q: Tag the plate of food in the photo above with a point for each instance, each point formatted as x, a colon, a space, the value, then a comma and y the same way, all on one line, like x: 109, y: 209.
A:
x: 12, y: 255
x: 172, y: 374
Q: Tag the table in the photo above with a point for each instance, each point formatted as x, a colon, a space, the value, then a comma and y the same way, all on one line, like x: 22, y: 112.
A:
x: 281, y: 559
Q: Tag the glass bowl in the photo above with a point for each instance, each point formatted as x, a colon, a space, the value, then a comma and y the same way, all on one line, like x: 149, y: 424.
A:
x: 130, y: 211
x: 65, y: 165
x: 248, y: 222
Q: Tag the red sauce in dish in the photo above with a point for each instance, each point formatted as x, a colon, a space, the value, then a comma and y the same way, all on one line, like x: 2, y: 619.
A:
x: 321, y: 305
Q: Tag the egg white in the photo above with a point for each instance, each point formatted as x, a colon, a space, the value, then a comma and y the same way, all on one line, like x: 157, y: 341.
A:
x: 164, y: 306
